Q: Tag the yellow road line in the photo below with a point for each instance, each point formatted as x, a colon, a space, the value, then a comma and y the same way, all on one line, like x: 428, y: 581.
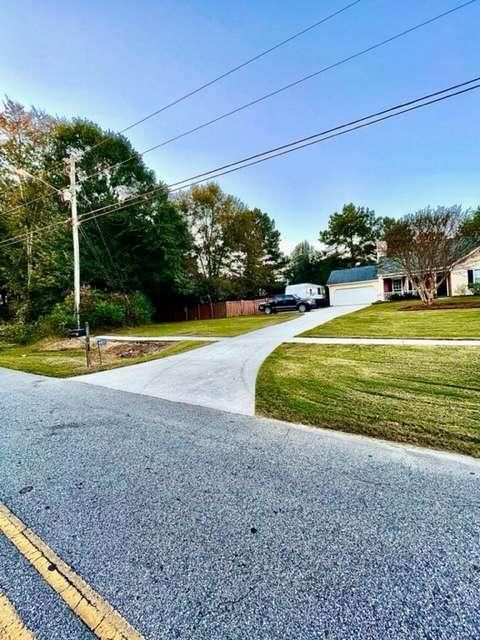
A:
x: 11, y: 627
x: 100, y: 617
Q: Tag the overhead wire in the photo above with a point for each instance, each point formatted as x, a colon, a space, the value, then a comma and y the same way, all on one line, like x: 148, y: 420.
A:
x: 271, y: 94
x: 322, y: 136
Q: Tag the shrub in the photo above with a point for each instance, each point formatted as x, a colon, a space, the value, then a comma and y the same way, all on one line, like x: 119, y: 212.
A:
x: 17, y: 332
x: 408, y: 295
x: 57, y: 321
x: 100, y: 309
x: 475, y: 288
x: 139, y: 309
x: 106, y: 314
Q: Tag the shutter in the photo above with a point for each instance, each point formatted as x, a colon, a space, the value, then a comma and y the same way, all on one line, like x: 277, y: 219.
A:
x: 470, y: 276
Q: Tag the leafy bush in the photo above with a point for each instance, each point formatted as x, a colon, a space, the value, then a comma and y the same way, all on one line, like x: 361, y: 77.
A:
x: 139, y: 309
x: 100, y: 309
x: 57, y: 321
x: 17, y: 332
x: 407, y: 295
x: 106, y: 314
x: 475, y: 288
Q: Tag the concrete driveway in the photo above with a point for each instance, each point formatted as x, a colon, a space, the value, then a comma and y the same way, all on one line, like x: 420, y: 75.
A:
x: 221, y: 375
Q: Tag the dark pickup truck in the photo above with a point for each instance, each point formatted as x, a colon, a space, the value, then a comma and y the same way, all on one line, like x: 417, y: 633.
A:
x: 286, y: 302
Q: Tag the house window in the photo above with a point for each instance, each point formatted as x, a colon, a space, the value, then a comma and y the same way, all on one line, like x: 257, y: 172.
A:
x: 397, y: 286
x: 476, y: 275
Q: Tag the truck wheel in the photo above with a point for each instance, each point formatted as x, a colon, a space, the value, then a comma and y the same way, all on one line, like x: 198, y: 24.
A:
x: 268, y: 310
x: 302, y: 308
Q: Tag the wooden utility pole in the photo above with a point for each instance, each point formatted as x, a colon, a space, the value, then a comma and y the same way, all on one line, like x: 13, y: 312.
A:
x: 76, y: 245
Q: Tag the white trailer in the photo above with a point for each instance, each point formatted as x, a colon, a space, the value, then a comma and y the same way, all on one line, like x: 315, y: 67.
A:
x: 308, y: 291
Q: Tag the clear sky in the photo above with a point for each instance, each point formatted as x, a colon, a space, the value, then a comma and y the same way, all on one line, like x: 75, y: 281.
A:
x: 114, y: 61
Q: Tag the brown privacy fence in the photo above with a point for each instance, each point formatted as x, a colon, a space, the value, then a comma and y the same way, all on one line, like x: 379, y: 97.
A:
x: 206, y: 311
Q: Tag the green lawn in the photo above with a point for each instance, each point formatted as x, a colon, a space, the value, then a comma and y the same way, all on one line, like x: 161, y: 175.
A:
x: 391, y: 320
x: 428, y: 396
x: 42, y: 359
x: 221, y: 327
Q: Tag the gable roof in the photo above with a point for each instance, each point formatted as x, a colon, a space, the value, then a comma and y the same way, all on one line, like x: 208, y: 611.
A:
x: 388, y: 266
x: 356, y: 274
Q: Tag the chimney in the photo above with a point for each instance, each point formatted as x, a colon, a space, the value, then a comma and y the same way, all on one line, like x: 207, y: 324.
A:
x: 381, y: 249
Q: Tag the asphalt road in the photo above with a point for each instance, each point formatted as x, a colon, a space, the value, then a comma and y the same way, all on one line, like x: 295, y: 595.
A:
x: 219, y: 376
x: 196, y: 523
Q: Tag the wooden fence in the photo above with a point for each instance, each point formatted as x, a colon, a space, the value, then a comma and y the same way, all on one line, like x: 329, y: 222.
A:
x: 206, y: 311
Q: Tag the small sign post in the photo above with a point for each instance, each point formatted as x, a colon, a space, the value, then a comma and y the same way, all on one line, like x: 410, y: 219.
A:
x: 101, y: 342
x: 87, y: 344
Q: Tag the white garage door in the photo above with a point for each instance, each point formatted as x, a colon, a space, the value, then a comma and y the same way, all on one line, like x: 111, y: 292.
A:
x: 354, y: 295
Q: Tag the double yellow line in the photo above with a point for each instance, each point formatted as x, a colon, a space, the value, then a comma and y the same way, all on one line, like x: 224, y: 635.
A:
x: 100, y: 617
x: 11, y: 627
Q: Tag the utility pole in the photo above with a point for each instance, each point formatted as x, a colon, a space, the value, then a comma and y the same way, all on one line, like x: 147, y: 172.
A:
x: 76, y: 245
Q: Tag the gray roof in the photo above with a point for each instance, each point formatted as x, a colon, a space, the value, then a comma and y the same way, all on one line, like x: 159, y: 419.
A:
x: 357, y: 274
x: 388, y: 266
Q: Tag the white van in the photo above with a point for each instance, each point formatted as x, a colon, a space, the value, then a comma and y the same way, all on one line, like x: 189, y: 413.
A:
x: 308, y: 291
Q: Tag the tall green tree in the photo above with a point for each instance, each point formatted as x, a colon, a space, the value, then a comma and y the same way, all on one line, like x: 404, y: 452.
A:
x: 256, y: 261
x: 352, y: 233
x: 208, y: 211
x: 308, y: 265
x: 235, y: 250
x: 25, y: 137
x: 303, y: 264
x: 471, y: 226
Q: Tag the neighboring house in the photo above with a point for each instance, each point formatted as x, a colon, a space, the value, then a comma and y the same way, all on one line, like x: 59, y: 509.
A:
x: 364, y: 285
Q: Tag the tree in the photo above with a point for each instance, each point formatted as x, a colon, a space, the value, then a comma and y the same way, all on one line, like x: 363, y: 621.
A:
x: 24, y: 145
x: 255, y: 256
x: 426, y: 245
x: 235, y: 250
x: 352, y: 234
x: 142, y: 246
x: 303, y: 264
x: 208, y: 211
x: 471, y: 226
x: 308, y: 265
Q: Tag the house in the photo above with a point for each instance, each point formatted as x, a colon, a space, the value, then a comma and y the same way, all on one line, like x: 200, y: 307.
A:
x: 364, y: 285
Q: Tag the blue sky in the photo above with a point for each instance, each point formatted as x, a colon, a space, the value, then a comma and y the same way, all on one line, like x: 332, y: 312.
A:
x: 113, y: 62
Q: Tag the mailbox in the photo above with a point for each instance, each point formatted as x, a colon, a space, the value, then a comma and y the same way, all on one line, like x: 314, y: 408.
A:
x: 76, y: 333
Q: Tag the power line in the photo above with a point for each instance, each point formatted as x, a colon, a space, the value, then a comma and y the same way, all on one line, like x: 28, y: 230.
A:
x: 353, y: 125
x: 302, y: 143
x: 271, y: 94
x: 281, y: 89
x: 242, y: 65
x: 227, y: 73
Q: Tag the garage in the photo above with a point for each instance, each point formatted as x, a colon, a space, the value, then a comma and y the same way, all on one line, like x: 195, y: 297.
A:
x: 353, y: 295
x: 357, y: 285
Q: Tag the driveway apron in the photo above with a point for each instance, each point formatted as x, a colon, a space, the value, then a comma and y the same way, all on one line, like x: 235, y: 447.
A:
x: 221, y: 375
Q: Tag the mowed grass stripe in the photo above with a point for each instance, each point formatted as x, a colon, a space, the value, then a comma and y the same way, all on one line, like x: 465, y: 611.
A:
x: 398, y: 320
x: 428, y: 396
x: 11, y: 626
x: 100, y: 617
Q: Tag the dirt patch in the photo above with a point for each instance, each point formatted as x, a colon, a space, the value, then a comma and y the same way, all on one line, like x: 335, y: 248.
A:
x: 133, y: 349
x: 111, y: 353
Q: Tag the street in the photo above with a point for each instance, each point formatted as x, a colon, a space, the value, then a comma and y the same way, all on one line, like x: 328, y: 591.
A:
x: 197, y: 523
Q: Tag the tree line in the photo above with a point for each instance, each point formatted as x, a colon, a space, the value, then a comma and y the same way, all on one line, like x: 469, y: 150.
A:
x: 201, y: 244
x: 197, y: 244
